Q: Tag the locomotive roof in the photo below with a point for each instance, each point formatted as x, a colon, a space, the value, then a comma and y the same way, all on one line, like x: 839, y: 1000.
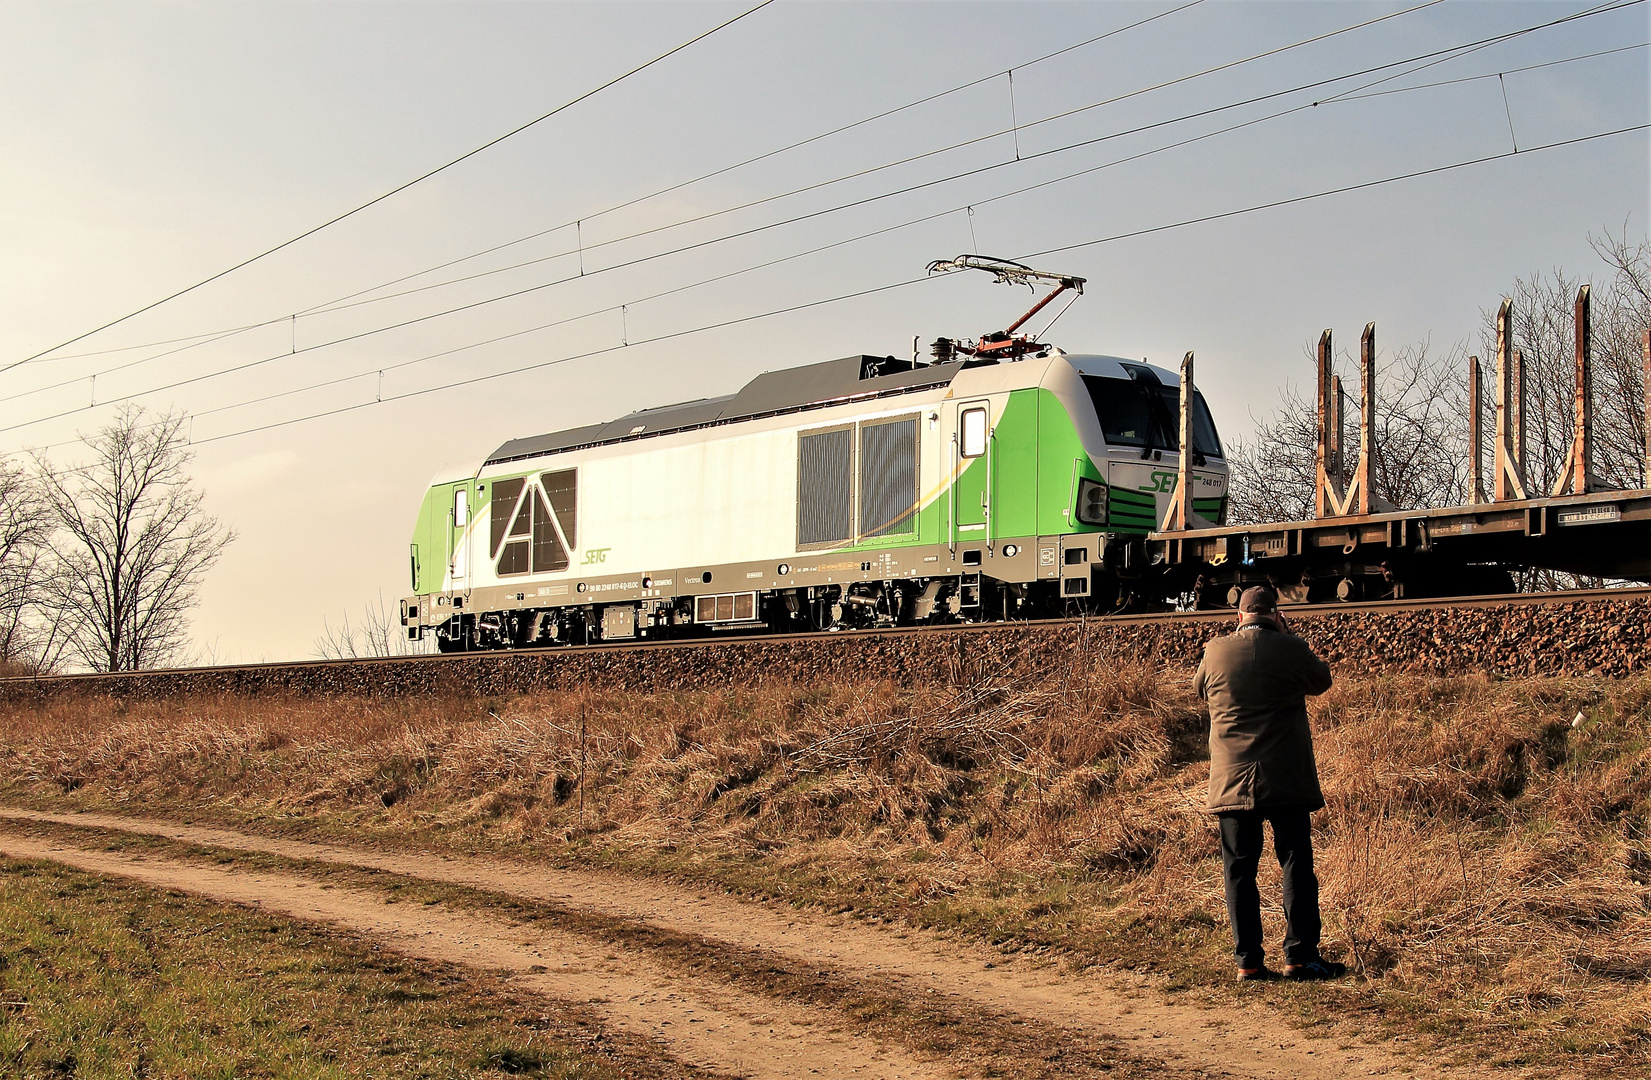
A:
x: 772, y: 392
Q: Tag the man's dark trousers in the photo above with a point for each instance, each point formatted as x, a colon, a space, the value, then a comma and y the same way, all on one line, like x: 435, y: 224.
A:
x: 1241, y: 842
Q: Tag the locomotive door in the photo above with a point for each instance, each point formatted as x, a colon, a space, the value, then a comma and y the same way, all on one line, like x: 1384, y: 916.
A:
x: 972, y: 490
x: 458, y: 549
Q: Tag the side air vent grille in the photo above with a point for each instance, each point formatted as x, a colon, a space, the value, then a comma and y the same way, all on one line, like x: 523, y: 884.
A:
x: 825, y: 488
x: 888, y: 478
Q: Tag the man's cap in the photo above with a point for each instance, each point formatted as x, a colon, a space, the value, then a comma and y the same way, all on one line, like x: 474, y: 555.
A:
x: 1258, y: 599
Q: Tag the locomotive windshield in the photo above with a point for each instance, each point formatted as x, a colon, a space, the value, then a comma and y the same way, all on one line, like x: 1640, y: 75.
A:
x: 1144, y: 412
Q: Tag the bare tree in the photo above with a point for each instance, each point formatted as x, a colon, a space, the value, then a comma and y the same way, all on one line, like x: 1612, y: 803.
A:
x: 377, y: 633
x: 1272, y: 474
x: 1420, y: 442
x: 24, y: 530
x: 133, y: 544
x: 1544, y: 331
x: 1622, y: 315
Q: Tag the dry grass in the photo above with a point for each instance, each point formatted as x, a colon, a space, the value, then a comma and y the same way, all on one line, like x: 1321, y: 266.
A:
x: 1485, y: 863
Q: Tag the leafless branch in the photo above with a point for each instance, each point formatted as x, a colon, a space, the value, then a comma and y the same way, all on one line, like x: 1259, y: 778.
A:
x: 376, y: 633
x: 132, y: 545
x: 1422, y: 439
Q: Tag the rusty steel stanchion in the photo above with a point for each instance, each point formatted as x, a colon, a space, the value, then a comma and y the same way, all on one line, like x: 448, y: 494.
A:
x: 1327, y: 493
x: 1361, y: 497
x: 1521, y: 411
x: 1476, y: 430
x: 1338, y: 427
x: 1509, y: 481
x: 1645, y: 354
x: 1179, y: 514
x: 1577, y: 475
x: 1365, y: 475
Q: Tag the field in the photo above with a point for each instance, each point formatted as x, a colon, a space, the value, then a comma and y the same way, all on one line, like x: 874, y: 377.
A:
x: 1485, y: 857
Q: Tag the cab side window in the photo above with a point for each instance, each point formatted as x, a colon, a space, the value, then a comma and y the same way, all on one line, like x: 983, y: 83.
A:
x: 972, y: 434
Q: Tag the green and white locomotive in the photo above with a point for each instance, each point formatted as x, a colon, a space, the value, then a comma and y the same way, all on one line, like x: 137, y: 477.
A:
x: 1006, y: 479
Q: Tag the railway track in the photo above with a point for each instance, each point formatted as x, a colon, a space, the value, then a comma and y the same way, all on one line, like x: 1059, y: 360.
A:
x: 1598, y: 631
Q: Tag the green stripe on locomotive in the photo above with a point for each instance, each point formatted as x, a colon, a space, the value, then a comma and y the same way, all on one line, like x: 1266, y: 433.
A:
x: 429, y: 544
x: 1037, y: 460
x: 1131, y: 511
x: 435, y: 537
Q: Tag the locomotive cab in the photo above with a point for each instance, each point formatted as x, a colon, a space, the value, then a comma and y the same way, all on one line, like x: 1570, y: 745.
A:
x: 1127, y: 414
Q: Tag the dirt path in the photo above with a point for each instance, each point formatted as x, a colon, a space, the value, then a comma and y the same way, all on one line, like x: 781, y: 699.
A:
x: 712, y: 1026
x: 735, y: 1034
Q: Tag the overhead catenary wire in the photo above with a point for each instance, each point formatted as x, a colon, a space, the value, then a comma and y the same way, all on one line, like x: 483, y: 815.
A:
x: 568, y: 319
x: 1345, y: 189
x: 1014, y: 129
x: 1492, y: 74
x: 248, y: 365
x: 561, y: 360
x: 565, y: 320
x: 577, y: 223
x: 474, y: 380
x: 769, y: 154
x: 398, y: 189
x: 256, y: 363
x: 357, y: 336
x: 722, y: 324
x: 318, y: 309
x: 1447, y: 53
x: 1509, y: 110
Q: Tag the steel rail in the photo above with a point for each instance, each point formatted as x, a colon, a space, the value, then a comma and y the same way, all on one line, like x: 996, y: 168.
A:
x: 1292, y: 611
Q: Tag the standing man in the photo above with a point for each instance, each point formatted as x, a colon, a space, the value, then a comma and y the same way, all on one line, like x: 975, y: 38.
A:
x: 1256, y: 681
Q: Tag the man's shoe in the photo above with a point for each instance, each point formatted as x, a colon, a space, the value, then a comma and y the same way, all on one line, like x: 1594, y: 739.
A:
x: 1256, y: 974
x: 1317, y: 969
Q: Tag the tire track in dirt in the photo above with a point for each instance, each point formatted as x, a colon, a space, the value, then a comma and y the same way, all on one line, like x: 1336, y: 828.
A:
x: 708, y: 1025
x: 1242, y: 1042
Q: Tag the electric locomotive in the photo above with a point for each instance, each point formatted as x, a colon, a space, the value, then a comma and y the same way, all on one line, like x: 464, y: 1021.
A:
x: 1006, y: 478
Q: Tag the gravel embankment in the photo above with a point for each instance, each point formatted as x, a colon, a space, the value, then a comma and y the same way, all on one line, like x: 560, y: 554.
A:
x: 1596, y: 636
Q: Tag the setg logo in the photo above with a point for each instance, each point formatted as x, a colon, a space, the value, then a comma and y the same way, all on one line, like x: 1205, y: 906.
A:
x: 1161, y: 481
x: 600, y: 555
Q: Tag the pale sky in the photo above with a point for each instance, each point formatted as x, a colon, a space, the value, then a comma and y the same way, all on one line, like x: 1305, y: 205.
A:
x: 150, y: 145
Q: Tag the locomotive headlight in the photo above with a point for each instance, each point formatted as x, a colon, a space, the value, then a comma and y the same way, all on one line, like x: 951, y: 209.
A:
x: 1091, y: 502
x: 1010, y: 551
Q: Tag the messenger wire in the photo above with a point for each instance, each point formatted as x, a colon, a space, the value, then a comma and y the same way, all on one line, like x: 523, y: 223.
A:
x: 975, y: 202
x: 478, y: 379
x: 325, y: 305
x: 399, y: 188
x: 1448, y: 53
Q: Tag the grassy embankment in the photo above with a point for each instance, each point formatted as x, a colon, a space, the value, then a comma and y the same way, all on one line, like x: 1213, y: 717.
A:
x: 102, y: 979
x: 1485, y: 863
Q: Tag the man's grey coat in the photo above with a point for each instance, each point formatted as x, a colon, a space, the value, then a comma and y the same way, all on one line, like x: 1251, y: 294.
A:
x: 1256, y: 681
